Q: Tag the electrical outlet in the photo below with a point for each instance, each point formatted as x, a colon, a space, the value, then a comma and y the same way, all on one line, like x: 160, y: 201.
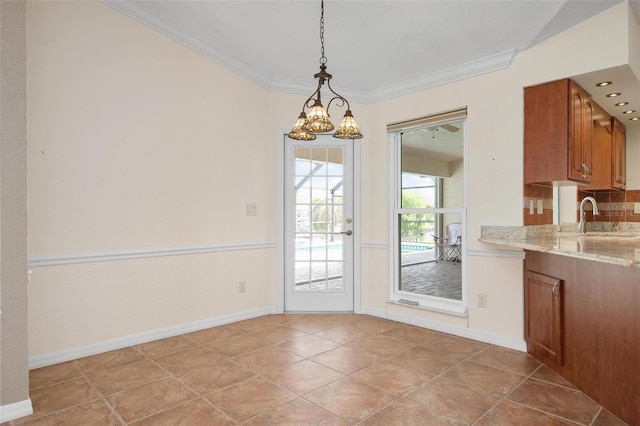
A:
x: 482, y: 300
x: 252, y: 209
x: 531, y: 207
x: 540, y: 206
x: 636, y: 208
x: 242, y: 286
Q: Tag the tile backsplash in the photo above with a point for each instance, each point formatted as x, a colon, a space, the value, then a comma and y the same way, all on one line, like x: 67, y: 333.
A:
x: 614, y: 206
x: 537, y: 196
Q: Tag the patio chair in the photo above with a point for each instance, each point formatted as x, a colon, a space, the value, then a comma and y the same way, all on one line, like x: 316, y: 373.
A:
x: 449, y: 248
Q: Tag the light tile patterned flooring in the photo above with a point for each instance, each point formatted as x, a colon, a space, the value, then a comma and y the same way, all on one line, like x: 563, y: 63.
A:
x: 309, y: 370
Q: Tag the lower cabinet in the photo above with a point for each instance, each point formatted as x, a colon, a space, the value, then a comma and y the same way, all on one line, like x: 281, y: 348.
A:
x: 582, y: 320
x: 543, y: 316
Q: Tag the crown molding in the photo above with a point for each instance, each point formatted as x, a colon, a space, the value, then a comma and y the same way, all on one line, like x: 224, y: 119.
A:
x: 140, y: 14
x: 463, y: 71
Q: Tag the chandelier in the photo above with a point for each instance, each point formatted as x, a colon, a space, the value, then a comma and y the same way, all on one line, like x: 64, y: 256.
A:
x: 317, y: 120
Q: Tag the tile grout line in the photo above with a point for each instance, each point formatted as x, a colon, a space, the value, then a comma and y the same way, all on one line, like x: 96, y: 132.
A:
x: 197, y: 395
x: 249, y: 331
x: 100, y: 395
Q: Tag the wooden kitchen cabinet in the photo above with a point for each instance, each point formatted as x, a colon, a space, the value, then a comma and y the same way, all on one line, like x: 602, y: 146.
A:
x: 558, y: 133
x: 599, y: 320
x: 619, y: 155
x: 609, y: 153
x: 543, y: 316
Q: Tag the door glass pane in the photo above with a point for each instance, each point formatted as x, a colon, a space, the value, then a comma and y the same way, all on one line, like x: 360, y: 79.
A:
x: 319, y: 197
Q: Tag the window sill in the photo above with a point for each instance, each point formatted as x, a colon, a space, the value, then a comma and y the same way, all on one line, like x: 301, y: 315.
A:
x: 455, y: 309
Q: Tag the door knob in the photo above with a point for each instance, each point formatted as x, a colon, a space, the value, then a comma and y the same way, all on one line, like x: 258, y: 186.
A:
x: 349, y: 232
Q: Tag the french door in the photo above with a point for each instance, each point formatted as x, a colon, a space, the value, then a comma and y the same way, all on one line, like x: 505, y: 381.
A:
x: 318, y: 225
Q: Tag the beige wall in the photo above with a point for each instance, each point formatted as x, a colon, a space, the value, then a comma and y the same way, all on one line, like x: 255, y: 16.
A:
x: 140, y: 145
x: 453, y: 187
x: 14, y: 377
x: 425, y: 166
x: 493, y: 166
x: 137, y: 143
x: 633, y: 154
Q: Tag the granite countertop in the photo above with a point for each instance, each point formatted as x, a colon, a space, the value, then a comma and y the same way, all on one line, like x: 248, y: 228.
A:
x: 614, y: 247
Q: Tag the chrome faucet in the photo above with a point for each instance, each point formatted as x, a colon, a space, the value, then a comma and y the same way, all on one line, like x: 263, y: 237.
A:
x: 581, y: 225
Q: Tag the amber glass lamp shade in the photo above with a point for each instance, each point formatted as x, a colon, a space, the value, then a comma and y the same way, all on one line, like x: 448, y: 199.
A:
x: 318, y: 120
x: 299, y: 132
x: 348, y: 128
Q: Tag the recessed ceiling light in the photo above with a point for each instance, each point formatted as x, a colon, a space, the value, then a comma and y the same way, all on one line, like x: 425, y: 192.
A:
x: 635, y: 119
x: 622, y: 103
x: 613, y: 95
x: 604, y: 83
x: 631, y: 111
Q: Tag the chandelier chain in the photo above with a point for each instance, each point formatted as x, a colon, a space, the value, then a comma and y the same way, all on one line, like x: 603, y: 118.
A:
x: 323, y: 59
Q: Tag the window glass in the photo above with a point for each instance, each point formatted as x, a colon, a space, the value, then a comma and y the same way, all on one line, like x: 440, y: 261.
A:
x: 429, y: 214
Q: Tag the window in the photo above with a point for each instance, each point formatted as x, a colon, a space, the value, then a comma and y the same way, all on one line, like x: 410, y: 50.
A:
x: 428, y: 215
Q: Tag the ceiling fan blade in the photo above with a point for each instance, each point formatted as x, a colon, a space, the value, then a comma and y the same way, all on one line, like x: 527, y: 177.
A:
x: 449, y: 127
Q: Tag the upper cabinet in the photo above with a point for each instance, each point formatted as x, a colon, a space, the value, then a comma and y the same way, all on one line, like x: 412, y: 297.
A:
x: 609, y: 155
x: 618, y: 156
x: 558, y: 133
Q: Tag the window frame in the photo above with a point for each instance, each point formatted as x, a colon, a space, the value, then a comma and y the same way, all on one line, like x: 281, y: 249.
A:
x: 395, y: 295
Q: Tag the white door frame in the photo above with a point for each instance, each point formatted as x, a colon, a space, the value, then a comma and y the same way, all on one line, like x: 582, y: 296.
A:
x: 280, y: 184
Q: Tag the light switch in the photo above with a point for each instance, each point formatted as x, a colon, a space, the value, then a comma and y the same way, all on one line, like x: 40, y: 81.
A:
x: 540, y: 206
x: 252, y: 209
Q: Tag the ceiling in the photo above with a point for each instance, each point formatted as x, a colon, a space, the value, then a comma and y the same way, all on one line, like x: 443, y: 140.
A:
x: 376, y: 49
x: 443, y: 143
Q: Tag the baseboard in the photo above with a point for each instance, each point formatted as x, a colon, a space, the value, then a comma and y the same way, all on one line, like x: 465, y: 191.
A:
x: 81, y: 352
x: 15, y: 411
x: 136, y: 339
x: 494, y: 339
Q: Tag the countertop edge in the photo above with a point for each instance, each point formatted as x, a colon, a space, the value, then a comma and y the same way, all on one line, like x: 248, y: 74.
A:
x: 510, y: 242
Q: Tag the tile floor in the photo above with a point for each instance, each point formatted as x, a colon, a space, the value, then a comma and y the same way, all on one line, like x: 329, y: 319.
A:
x: 309, y: 370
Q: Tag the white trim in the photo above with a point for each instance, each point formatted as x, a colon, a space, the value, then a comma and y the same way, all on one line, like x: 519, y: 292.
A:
x: 16, y: 410
x: 137, y: 12
x: 494, y: 339
x: 394, y: 294
x: 355, y: 255
x: 357, y: 228
x: 280, y: 140
x: 506, y: 254
x: 487, y: 64
x: 149, y: 336
x: 433, y: 304
x: 35, y: 262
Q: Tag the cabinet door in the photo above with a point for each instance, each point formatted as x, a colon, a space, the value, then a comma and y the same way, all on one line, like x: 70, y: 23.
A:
x: 619, y: 156
x: 586, y: 144
x: 543, y: 316
x: 580, y: 135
